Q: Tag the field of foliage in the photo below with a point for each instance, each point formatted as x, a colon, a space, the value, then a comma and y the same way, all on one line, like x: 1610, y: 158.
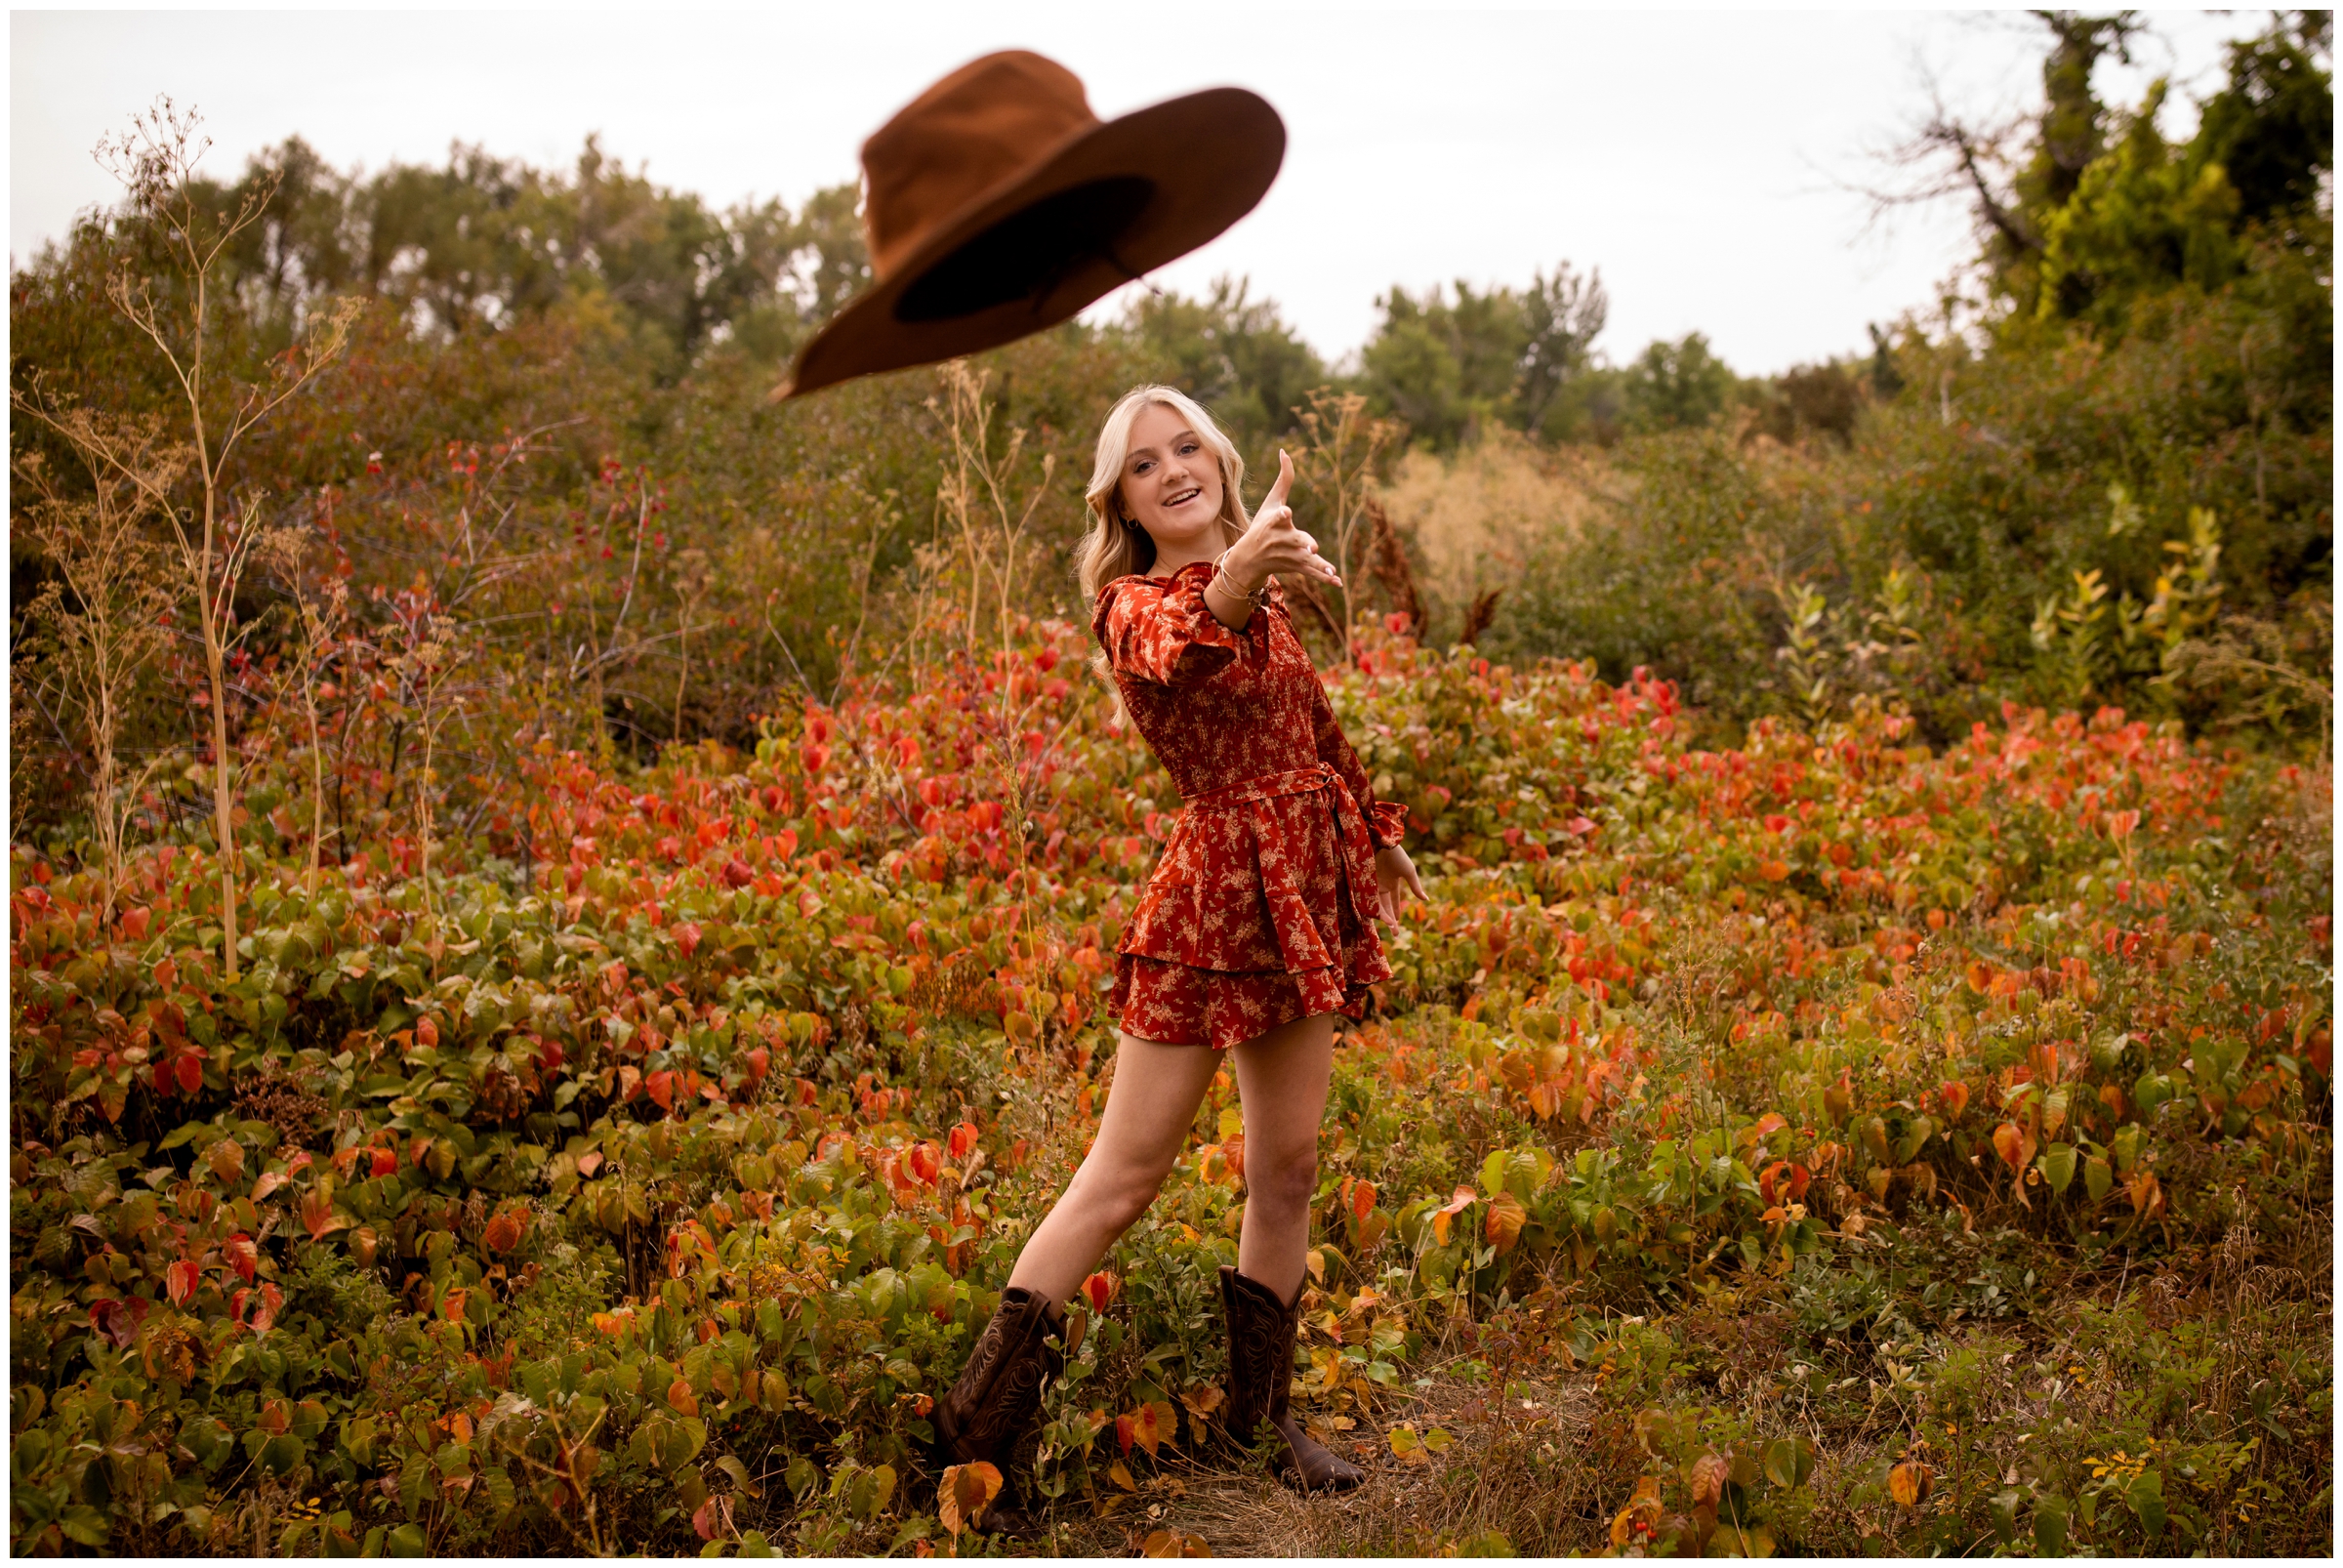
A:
x: 560, y: 911
x: 1823, y: 1144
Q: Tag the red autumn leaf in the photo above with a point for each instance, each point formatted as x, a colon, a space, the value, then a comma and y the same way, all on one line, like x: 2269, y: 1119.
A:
x: 924, y: 1162
x: 1124, y: 1434
x: 2009, y: 1143
x: 180, y: 1279
x: 503, y: 1231
x: 738, y: 873
x: 426, y: 1032
x: 119, y: 1320
x: 1154, y: 1423
x: 687, y: 937
x: 385, y: 1161
x: 661, y: 1087
x: 1955, y: 1097
x: 242, y: 1256
x: 1099, y: 1290
x: 759, y: 1062
x: 964, y: 1138
x: 133, y: 922
x: 189, y: 1070
x: 1362, y: 1200
x: 317, y: 1216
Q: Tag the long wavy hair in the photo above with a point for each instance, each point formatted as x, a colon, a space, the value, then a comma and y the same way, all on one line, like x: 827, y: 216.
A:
x: 1117, y: 546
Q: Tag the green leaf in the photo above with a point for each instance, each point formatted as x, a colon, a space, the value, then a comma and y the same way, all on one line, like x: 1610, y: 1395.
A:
x: 407, y: 1541
x: 2051, y: 1526
x: 2098, y: 1178
x: 2146, y: 1495
x: 1781, y: 1463
x: 2058, y: 1167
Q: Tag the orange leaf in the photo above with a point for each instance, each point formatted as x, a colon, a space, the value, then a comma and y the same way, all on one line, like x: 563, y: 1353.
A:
x: 502, y: 1232
x: 242, y: 1255
x: 1506, y: 1217
x: 1955, y: 1097
x: 182, y: 1278
x: 966, y: 1492
x: 2009, y: 1143
x: 452, y: 1308
x: 426, y: 1031
x: 1154, y: 1423
x: 1908, y: 1483
x: 590, y: 1162
x: 1362, y: 1200
x: 1099, y: 1290
x: 679, y: 1398
x: 1709, y: 1473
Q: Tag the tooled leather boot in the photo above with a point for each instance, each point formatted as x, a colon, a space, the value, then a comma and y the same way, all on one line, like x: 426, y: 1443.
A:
x: 999, y: 1394
x: 1262, y: 1331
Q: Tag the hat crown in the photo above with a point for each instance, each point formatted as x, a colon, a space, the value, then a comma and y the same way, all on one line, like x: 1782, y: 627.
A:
x: 982, y: 125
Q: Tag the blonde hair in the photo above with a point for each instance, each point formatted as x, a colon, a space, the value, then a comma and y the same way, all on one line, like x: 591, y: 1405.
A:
x: 1117, y: 546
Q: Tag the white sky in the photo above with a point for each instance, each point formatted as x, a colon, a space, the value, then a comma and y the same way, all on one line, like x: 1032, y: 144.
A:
x: 1693, y: 157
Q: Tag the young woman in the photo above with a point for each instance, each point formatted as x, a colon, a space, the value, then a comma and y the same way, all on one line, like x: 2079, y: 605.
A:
x: 1255, y: 929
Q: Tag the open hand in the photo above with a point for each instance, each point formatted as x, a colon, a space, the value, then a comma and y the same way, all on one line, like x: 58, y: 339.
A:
x: 1273, y: 546
x: 1394, y: 872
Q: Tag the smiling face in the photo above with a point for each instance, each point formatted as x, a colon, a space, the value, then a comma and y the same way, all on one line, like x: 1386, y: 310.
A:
x: 1171, y: 486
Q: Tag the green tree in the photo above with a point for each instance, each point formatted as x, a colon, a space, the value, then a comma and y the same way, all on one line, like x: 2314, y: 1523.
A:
x: 1676, y: 386
x: 1444, y: 363
x: 1232, y: 353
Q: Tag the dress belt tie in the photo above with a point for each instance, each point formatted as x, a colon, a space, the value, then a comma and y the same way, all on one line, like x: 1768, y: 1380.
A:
x: 1304, y: 945
x: 1268, y: 786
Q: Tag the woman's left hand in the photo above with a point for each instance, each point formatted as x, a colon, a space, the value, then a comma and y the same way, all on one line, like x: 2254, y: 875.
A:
x: 1394, y: 871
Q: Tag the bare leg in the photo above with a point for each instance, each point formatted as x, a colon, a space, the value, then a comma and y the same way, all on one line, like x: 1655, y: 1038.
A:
x: 1282, y: 1077
x: 1157, y: 1089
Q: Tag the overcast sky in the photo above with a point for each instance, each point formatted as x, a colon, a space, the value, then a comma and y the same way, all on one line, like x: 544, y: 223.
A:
x: 1698, y: 161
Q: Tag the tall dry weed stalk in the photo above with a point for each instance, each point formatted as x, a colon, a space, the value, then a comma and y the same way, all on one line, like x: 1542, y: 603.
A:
x: 1340, y: 445
x: 217, y: 532
x: 100, y: 621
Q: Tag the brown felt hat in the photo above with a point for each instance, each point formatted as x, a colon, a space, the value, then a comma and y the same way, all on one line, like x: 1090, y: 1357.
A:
x: 997, y: 204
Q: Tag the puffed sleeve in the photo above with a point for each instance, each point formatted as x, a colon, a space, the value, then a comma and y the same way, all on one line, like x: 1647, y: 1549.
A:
x: 1163, y: 633
x: 1386, y: 820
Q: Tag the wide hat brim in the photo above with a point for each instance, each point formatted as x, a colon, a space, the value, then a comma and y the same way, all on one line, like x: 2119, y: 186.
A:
x: 1164, y: 180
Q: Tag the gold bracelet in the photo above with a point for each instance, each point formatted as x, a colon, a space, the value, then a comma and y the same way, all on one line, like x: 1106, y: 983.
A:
x: 1258, y: 598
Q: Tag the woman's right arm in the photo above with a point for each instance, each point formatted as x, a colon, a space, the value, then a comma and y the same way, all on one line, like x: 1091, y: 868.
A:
x: 1164, y: 634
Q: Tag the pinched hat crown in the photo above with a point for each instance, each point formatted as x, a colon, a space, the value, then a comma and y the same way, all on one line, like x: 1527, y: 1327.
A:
x: 978, y: 128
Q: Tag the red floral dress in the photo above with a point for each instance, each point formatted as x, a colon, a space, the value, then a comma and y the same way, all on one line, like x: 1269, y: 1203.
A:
x: 1262, y: 908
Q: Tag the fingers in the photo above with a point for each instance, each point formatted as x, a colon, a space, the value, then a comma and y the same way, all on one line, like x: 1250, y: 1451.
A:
x: 1283, y: 487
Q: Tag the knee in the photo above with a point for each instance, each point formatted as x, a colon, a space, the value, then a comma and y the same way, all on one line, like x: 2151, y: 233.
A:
x: 1117, y: 1196
x: 1285, y: 1182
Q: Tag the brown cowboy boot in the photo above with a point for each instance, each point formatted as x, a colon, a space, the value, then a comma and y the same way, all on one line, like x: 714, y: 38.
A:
x: 999, y: 1394
x: 1262, y: 1331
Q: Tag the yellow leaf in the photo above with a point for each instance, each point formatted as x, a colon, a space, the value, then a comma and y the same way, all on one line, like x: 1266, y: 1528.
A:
x: 1908, y: 1483
x: 1120, y: 1473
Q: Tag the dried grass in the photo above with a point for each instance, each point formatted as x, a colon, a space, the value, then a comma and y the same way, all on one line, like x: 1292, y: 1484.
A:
x: 1477, y: 516
x: 1488, y: 1480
